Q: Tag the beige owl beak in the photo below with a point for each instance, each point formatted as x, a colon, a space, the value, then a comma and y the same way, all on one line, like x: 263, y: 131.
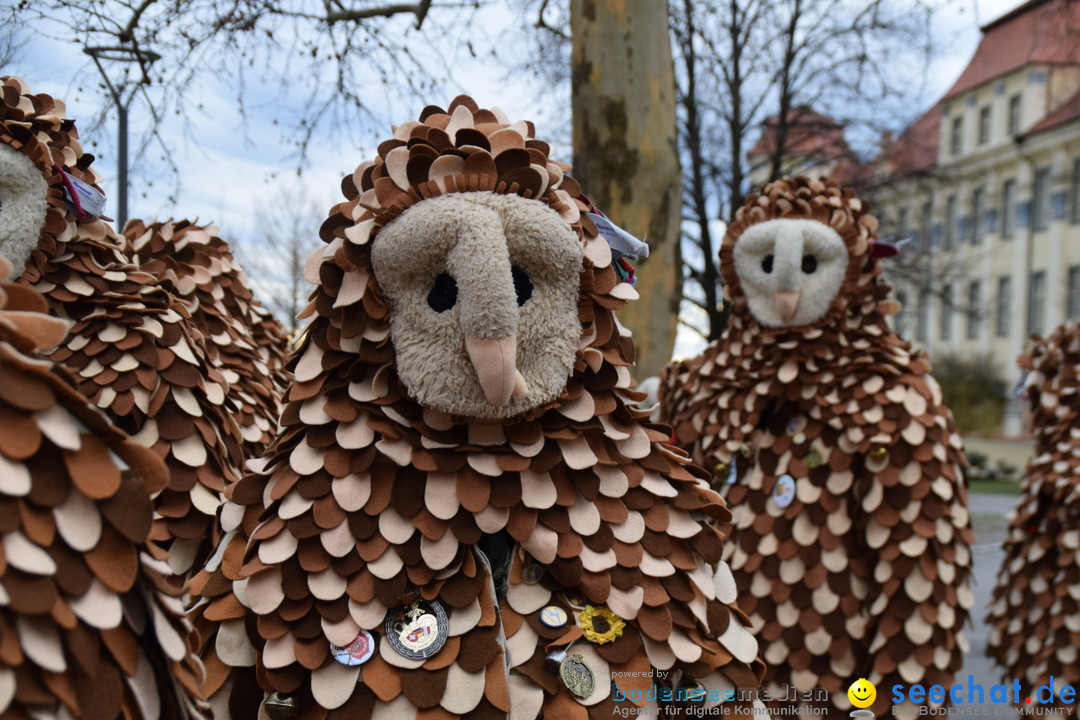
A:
x: 495, y: 360
x: 787, y: 304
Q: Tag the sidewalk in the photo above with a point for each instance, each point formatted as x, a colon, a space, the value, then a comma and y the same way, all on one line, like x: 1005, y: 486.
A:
x: 989, y: 522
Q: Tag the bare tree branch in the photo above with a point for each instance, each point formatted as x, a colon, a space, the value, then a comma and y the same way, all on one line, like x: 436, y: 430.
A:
x: 337, y: 55
x: 542, y: 23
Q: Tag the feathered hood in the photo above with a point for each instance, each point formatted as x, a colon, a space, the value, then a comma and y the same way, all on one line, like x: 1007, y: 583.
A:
x: 861, y: 301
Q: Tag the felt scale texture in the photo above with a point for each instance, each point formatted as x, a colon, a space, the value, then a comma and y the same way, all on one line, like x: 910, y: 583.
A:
x: 89, y: 623
x: 243, y: 340
x: 842, y: 467
x: 369, y: 499
x: 1035, y: 613
x: 133, y: 348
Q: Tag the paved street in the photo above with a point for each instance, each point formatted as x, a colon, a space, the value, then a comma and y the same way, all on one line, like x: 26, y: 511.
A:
x: 989, y: 522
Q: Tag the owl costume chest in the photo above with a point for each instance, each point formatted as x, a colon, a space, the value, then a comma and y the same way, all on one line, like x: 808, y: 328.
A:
x: 556, y: 576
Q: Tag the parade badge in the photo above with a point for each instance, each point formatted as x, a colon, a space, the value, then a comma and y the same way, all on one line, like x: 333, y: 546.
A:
x: 784, y: 491
x: 532, y: 574
x: 355, y: 653
x: 419, y: 630
x: 575, y: 599
x: 554, y: 616
x: 577, y: 677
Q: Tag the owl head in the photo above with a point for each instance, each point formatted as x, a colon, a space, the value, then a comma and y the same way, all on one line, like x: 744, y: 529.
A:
x: 800, y: 253
x: 473, y: 248
x: 46, y: 183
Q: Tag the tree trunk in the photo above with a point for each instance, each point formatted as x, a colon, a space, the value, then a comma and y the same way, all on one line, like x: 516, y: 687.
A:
x: 625, y: 154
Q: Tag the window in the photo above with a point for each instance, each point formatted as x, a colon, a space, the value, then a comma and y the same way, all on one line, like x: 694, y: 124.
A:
x: 945, y: 326
x: 922, y: 310
x: 926, y: 220
x: 1072, y: 299
x: 950, y: 221
x: 974, y: 302
x: 984, y: 125
x: 1074, y: 191
x: 901, y: 318
x: 1040, y: 198
x: 1008, y: 208
x: 956, y: 141
x: 1036, y: 302
x: 978, y: 208
x: 1004, y: 304
x: 1014, y: 114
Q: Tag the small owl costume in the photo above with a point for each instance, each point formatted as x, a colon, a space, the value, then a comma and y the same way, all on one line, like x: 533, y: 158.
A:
x: 831, y: 444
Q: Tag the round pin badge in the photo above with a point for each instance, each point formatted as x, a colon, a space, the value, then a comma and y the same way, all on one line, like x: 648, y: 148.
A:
x: 813, y: 458
x: 577, y: 677
x: 575, y: 599
x: 554, y: 616
x: 694, y: 692
x: 280, y: 707
x: 419, y: 630
x: 355, y: 653
x: 532, y: 574
x: 784, y: 491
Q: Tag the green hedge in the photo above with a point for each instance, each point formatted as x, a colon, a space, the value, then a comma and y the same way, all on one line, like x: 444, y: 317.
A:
x: 973, y: 391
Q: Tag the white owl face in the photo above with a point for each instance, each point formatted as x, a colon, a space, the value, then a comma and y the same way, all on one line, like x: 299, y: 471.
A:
x: 483, y: 296
x: 23, y: 202
x: 790, y: 270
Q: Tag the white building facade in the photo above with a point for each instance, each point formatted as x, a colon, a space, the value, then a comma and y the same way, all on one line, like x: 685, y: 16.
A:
x: 985, y: 189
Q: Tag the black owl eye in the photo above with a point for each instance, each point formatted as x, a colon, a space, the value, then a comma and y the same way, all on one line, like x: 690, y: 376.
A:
x: 444, y: 293
x: 522, y: 285
x: 809, y: 264
x: 766, y: 264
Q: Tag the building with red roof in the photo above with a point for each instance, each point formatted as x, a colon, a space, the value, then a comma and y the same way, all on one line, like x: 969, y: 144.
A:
x: 814, y: 145
x: 985, y: 186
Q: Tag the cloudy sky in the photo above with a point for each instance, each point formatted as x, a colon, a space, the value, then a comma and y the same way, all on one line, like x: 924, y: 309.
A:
x: 229, y: 168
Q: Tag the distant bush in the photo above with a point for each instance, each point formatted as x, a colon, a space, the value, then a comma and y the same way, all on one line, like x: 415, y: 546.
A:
x: 973, y: 391
x: 980, y: 468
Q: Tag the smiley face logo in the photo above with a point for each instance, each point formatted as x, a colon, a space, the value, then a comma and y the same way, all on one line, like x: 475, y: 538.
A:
x: 862, y: 693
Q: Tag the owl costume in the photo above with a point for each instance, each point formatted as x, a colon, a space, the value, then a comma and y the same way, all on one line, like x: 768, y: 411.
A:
x: 831, y: 444
x: 465, y: 514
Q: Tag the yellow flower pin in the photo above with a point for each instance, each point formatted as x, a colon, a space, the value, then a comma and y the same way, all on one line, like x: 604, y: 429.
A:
x: 600, y: 624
